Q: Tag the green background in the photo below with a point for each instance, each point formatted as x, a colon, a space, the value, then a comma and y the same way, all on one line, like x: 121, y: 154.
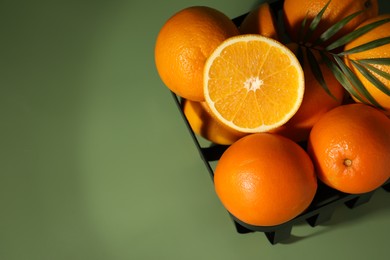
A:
x: 96, y: 162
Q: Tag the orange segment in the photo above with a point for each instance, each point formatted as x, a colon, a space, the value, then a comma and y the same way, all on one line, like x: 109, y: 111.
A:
x: 253, y: 83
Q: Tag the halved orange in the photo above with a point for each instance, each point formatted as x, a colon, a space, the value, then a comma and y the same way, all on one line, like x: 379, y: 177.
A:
x: 253, y: 83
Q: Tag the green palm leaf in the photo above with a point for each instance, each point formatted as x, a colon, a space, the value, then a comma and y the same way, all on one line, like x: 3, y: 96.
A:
x: 351, y: 77
x: 316, y: 70
x: 355, y: 34
x: 302, y: 28
x: 335, y: 28
x: 340, y: 77
x: 379, y: 61
x: 367, y: 46
x: 313, y: 25
x: 380, y: 72
x: 333, y: 58
x: 370, y: 77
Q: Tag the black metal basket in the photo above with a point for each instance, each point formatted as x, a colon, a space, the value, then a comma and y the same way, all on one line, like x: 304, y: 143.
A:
x: 320, y: 210
x: 324, y: 203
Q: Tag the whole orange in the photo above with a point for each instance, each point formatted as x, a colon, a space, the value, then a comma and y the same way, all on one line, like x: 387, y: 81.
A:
x: 295, y: 11
x: 265, y: 179
x: 316, y: 102
x: 204, y: 124
x: 383, y: 51
x: 260, y: 20
x: 350, y: 148
x: 184, y: 43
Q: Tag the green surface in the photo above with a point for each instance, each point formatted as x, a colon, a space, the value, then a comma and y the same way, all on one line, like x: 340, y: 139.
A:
x: 95, y: 160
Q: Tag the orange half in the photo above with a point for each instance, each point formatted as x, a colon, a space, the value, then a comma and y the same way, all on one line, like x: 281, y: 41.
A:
x: 253, y: 83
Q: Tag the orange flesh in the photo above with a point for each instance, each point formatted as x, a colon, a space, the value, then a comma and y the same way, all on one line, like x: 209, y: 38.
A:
x: 259, y: 88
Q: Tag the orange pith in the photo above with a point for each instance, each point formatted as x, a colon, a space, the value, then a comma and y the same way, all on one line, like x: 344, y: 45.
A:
x: 253, y: 83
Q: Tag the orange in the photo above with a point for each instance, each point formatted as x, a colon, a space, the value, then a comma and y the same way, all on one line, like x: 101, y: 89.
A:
x: 253, y: 83
x: 350, y: 148
x: 265, y: 179
x: 261, y: 21
x: 295, y: 12
x: 316, y: 102
x: 184, y: 43
x: 378, y: 52
x: 204, y: 124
